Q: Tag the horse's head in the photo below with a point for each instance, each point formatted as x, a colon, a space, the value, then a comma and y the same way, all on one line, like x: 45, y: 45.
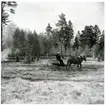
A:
x: 83, y: 57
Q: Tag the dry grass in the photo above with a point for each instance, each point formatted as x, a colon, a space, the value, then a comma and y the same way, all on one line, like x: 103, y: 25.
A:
x: 41, y: 84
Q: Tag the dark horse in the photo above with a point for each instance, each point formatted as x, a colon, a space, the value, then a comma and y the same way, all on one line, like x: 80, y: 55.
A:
x: 76, y: 60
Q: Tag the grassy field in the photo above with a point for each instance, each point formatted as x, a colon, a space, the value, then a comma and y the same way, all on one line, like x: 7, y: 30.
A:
x: 43, y: 83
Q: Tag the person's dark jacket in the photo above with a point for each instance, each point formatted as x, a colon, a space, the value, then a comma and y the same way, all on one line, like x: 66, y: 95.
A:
x: 58, y: 57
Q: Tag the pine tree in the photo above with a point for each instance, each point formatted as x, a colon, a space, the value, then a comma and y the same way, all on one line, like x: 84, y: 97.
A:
x: 65, y: 31
x: 10, y: 5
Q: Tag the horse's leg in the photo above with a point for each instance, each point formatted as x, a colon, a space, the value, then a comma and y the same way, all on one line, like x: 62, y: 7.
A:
x: 80, y: 65
x: 67, y: 65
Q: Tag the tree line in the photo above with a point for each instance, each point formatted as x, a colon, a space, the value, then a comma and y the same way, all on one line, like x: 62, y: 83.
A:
x: 89, y: 41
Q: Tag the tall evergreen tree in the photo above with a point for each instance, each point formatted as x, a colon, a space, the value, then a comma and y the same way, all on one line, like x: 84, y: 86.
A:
x: 48, y: 29
x: 89, y: 36
x: 76, y: 43
x: 19, y: 40
x: 68, y: 35
x: 5, y: 6
x: 65, y: 31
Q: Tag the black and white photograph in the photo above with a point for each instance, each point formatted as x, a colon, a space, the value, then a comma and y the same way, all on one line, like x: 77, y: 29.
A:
x: 52, y: 52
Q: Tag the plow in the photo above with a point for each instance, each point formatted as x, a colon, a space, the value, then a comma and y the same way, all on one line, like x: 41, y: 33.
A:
x: 56, y: 64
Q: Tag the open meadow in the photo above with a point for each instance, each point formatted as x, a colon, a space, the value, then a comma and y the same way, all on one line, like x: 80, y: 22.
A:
x: 39, y: 42
x: 43, y: 83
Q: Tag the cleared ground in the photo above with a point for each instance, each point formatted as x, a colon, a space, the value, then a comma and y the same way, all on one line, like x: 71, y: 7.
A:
x: 43, y: 83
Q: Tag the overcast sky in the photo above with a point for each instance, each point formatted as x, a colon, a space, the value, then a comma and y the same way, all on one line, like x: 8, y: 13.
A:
x: 37, y: 15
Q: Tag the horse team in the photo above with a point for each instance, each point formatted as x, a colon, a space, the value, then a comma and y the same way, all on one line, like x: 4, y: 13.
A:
x: 72, y: 60
x: 76, y: 60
